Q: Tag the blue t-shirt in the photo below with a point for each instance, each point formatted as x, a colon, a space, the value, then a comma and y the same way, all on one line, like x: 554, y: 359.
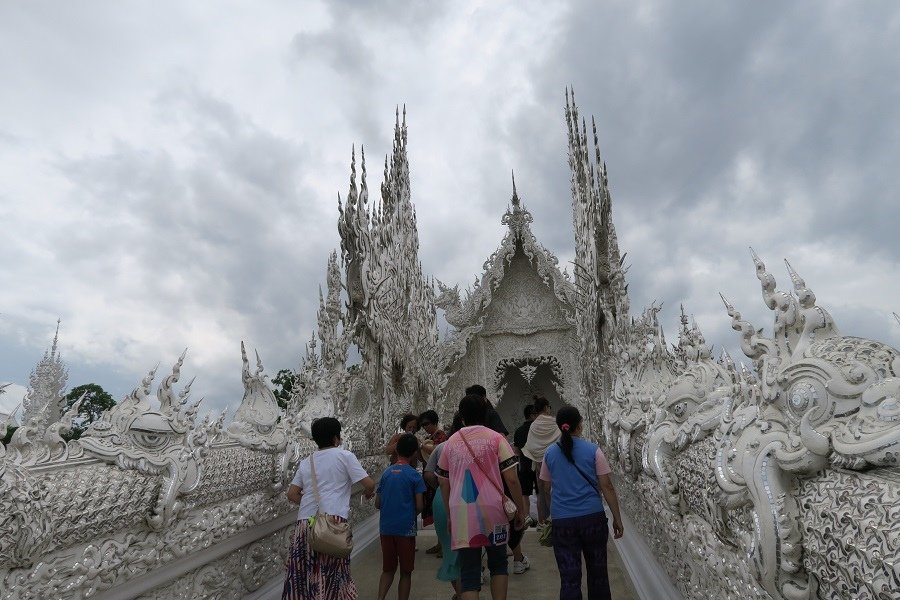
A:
x: 572, y: 495
x: 398, y: 487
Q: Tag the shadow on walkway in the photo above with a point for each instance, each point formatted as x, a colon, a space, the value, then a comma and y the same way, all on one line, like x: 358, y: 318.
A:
x: 540, y: 582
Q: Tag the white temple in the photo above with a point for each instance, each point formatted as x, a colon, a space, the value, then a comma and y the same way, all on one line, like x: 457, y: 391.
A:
x: 777, y: 480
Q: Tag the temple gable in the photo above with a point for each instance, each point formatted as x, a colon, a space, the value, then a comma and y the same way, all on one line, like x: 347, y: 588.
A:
x: 515, y: 333
x: 523, y: 304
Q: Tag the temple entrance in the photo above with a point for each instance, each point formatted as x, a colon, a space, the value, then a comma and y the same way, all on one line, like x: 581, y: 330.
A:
x: 517, y: 380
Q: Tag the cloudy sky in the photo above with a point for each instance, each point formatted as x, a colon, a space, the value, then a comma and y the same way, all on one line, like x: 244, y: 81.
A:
x: 169, y: 171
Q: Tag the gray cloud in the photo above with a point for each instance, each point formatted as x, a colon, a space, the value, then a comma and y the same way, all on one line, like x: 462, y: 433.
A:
x: 225, y: 232
x: 725, y: 127
x: 181, y: 192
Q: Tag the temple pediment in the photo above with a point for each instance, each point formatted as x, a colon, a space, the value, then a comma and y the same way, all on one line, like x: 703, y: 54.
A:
x: 521, y: 290
x: 515, y: 330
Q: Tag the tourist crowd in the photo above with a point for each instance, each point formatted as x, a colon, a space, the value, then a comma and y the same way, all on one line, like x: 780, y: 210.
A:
x: 473, y: 486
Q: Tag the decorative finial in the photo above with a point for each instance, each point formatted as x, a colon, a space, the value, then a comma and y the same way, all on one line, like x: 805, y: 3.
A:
x: 363, y: 188
x: 55, y: 339
x: 728, y: 305
x: 805, y: 295
x: 515, y: 196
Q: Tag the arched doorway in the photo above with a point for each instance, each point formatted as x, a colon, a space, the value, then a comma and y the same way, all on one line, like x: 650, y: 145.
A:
x: 517, y: 380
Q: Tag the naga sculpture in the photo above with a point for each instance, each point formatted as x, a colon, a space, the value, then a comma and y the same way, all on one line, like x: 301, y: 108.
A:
x: 822, y: 399
x: 456, y: 313
x: 163, y: 441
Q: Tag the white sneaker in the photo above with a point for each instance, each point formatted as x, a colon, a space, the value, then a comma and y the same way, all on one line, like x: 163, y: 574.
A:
x: 520, y: 566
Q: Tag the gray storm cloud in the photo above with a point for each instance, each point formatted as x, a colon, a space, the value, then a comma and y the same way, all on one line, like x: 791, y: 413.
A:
x: 171, y: 180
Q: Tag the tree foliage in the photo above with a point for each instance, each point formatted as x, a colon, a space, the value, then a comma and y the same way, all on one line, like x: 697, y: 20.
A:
x: 283, y: 383
x: 96, y: 400
x: 9, y: 434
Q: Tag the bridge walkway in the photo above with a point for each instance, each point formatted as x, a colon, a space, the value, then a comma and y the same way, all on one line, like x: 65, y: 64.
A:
x: 539, y: 583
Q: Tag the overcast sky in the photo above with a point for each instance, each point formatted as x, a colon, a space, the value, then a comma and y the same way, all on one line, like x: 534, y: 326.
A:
x: 169, y: 171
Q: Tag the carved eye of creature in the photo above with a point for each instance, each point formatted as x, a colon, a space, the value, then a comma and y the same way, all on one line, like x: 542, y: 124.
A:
x: 679, y: 409
x: 150, y: 440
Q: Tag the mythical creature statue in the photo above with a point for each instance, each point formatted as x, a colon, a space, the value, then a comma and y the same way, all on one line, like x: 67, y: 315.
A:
x: 690, y: 408
x: 821, y: 399
x: 257, y: 424
x: 36, y: 442
x: 455, y: 313
x: 639, y: 358
x: 24, y: 530
x: 163, y: 441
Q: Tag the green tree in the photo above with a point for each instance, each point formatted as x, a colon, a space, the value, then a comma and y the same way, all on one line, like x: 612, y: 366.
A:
x: 96, y: 400
x: 9, y: 434
x: 284, y: 382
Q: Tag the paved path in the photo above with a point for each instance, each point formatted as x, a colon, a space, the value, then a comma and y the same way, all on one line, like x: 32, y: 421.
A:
x: 541, y: 582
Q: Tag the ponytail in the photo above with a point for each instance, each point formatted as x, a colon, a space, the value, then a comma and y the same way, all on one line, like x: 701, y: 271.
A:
x: 567, y: 419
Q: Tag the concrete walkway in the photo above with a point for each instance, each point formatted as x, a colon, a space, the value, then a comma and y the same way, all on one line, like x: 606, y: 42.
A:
x: 540, y: 582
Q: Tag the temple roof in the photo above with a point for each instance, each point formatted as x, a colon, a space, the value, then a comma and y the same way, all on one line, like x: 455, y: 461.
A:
x: 468, y: 315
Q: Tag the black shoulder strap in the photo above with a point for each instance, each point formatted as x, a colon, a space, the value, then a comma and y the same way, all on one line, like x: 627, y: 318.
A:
x: 580, y: 472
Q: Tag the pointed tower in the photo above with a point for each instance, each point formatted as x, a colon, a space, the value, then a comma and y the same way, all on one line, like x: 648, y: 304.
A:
x: 602, y: 303
x: 43, y: 402
x: 390, y: 308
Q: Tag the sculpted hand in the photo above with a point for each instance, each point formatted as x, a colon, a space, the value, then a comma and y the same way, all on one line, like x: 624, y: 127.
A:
x: 618, y: 529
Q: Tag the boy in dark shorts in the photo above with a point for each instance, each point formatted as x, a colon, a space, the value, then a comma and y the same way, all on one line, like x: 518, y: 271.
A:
x: 399, y: 498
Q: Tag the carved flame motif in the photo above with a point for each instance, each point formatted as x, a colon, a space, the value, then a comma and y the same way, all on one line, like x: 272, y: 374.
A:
x: 257, y: 423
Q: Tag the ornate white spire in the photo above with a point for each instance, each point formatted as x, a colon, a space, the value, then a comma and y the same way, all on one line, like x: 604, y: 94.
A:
x: 391, y: 315
x: 43, y: 402
x: 603, y: 304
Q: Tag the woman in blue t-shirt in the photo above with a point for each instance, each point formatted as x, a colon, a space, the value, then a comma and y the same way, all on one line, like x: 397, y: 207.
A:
x: 573, y: 468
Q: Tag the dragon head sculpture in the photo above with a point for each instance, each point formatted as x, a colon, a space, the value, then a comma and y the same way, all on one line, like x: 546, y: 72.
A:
x: 817, y: 398
x: 163, y: 440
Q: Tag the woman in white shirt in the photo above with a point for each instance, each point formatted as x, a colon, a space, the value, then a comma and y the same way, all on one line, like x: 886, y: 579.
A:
x: 310, y: 575
x: 541, y: 435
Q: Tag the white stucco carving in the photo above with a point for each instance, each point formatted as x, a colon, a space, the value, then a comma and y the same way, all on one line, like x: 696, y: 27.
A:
x: 257, y: 424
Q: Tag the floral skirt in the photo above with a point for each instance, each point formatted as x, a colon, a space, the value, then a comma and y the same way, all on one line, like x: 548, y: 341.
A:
x: 314, y: 576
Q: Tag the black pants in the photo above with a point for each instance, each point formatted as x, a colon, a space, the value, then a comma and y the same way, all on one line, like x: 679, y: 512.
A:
x: 573, y: 537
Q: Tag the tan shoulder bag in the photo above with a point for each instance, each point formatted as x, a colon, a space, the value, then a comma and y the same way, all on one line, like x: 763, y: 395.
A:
x: 328, y: 536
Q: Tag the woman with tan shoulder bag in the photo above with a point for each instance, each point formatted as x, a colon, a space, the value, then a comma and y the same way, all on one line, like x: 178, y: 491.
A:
x: 318, y: 565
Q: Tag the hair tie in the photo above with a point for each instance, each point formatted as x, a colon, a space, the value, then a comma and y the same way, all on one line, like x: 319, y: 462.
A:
x: 565, y: 427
